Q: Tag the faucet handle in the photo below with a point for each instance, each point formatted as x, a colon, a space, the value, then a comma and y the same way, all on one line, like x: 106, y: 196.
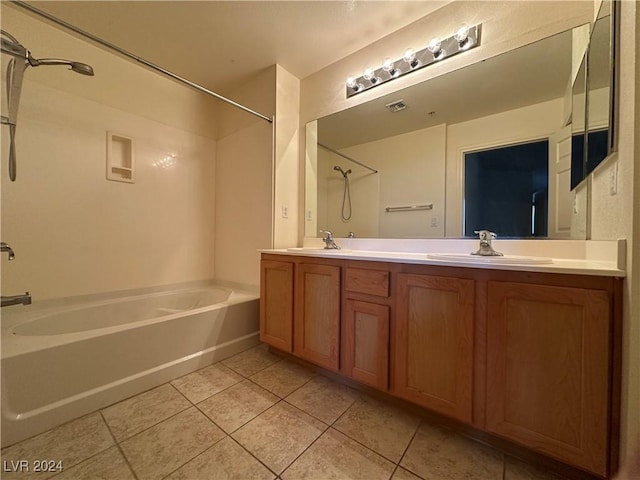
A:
x: 486, y: 234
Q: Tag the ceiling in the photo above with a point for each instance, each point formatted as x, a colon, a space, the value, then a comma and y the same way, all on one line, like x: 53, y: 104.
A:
x: 222, y: 44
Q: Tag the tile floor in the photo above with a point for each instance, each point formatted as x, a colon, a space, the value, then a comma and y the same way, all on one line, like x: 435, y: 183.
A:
x: 257, y: 416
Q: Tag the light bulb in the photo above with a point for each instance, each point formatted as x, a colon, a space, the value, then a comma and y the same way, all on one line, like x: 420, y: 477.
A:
x: 462, y: 33
x: 462, y: 36
x: 370, y: 74
x: 410, y: 57
x: 435, y: 47
x: 351, y: 82
x: 390, y: 67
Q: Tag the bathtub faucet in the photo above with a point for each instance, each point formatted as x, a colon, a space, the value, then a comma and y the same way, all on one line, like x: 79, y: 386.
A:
x: 24, y: 299
x: 6, y: 248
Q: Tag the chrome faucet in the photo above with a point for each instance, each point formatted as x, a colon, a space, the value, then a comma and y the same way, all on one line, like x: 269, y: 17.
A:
x: 486, y: 249
x: 329, y: 243
x: 24, y: 299
x: 6, y: 248
x: 13, y: 299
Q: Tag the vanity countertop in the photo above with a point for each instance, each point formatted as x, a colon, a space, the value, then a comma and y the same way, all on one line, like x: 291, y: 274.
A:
x: 557, y: 265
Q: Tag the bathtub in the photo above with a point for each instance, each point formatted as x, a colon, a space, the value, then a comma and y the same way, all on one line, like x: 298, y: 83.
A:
x: 66, y: 358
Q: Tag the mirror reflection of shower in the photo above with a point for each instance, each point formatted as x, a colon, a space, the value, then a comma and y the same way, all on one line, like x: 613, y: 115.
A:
x: 16, y: 67
x: 346, y: 196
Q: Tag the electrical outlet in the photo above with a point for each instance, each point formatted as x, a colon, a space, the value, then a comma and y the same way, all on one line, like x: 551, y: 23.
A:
x: 434, y: 222
x: 613, y: 179
x: 309, y: 215
x: 285, y: 211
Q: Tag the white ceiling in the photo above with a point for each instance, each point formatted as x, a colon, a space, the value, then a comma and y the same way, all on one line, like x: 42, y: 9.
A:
x: 219, y: 44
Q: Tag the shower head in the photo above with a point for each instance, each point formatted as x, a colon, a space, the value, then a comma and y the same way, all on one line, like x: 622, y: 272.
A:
x: 339, y: 169
x: 77, y: 67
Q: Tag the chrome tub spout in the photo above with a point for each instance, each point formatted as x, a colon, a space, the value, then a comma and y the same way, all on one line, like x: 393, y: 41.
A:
x: 24, y: 299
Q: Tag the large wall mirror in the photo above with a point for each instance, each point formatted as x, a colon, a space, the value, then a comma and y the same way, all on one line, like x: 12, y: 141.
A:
x: 600, y: 141
x: 474, y: 148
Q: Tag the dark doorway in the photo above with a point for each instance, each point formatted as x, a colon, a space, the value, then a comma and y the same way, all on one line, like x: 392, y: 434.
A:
x: 506, y: 190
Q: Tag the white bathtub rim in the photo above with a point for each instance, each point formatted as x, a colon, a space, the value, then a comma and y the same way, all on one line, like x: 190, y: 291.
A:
x: 52, y: 305
x: 13, y: 345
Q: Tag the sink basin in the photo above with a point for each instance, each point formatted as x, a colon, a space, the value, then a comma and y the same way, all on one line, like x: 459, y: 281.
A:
x: 504, y: 260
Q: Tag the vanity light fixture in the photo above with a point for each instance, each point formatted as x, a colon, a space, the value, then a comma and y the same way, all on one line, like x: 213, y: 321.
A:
x: 464, y: 38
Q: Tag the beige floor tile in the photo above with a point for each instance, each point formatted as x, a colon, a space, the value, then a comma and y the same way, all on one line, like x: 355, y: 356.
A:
x: 70, y: 443
x: 279, y: 435
x: 323, y: 398
x: 161, y: 449
x: 108, y: 465
x: 138, y: 413
x: 226, y: 460
x: 205, y: 382
x: 380, y: 426
x: 336, y: 457
x: 402, y: 474
x: 515, y: 469
x: 251, y: 361
x: 283, y: 378
x: 439, y: 454
x: 237, y: 405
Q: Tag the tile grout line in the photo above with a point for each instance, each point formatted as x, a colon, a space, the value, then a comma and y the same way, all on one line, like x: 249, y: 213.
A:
x: 194, y: 457
x: 117, y: 444
x: 407, y: 449
x: 358, y: 441
x: 250, y: 453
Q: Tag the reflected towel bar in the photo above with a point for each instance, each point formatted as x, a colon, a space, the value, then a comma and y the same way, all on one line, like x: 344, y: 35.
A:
x: 409, y: 208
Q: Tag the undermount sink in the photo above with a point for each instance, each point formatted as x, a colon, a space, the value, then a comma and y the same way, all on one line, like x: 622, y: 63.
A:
x: 504, y: 260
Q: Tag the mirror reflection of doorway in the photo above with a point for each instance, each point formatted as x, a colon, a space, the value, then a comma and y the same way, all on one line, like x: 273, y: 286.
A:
x: 517, y: 211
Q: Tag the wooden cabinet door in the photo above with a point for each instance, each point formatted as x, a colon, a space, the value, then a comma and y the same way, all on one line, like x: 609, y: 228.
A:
x: 317, y: 314
x: 276, y: 304
x: 433, y: 347
x: 547, y: 370
x: 365, y: 344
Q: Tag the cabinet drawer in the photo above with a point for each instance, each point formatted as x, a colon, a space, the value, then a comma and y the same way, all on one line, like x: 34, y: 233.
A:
x: 371, y: 282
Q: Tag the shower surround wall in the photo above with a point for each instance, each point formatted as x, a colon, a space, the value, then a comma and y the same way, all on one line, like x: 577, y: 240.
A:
x: 73, y: 231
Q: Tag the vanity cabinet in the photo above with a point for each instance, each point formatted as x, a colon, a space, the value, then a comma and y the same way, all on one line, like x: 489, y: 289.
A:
x: 276, y: 304
x: 434, y: 343
x: 548, y: 357
x: 532, y: 358
x: 365, y: 327
x: 316, y: 322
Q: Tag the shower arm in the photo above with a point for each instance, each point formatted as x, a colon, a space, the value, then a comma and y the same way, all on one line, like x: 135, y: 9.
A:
x: 138, y: 59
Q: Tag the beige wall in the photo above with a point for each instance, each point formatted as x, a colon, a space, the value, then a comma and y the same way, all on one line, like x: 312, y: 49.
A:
x: 286, y: 166
x: 73, y: 231
x: 244, y: 182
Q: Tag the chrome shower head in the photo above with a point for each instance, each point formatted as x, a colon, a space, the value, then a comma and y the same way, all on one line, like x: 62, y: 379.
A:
x: 77, y: 67
x: 339, y: 169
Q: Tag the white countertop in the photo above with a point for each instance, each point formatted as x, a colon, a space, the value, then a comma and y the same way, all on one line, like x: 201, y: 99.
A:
x: 601, y: 266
